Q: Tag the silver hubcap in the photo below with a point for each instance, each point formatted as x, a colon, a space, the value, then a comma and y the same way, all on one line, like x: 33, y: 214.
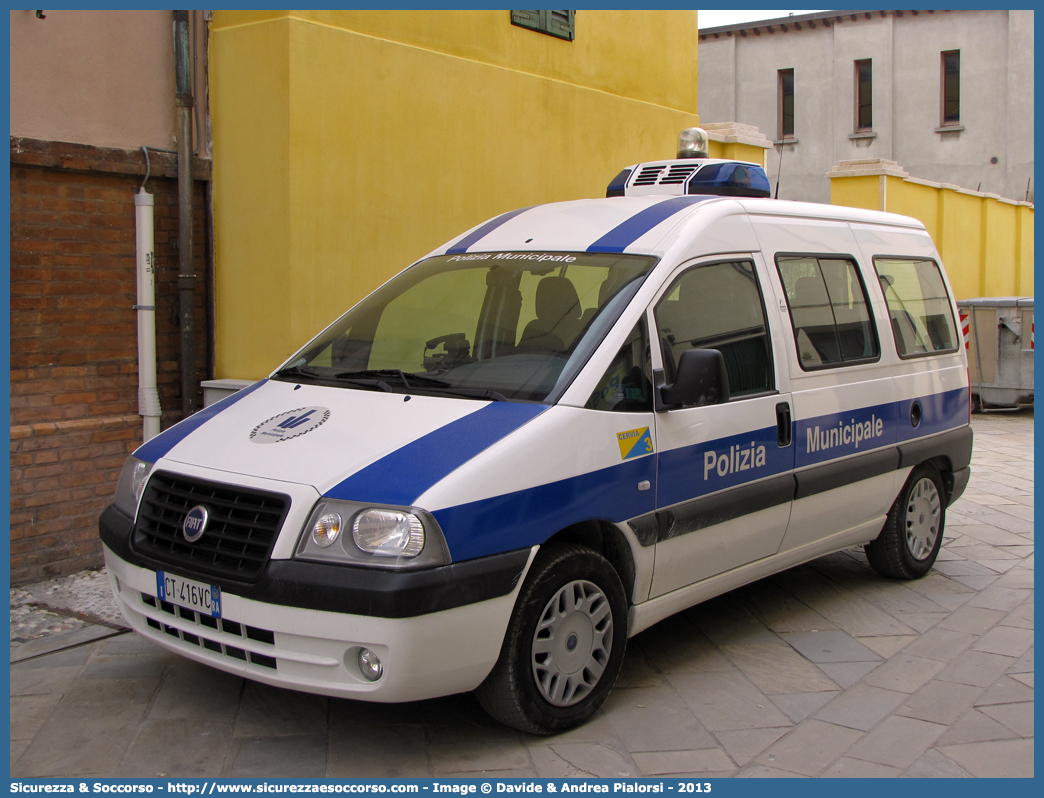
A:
x: 922, y: 518
x: 572, y: 643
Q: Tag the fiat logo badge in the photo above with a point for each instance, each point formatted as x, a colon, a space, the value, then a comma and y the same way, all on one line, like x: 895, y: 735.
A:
x: 195, y: 523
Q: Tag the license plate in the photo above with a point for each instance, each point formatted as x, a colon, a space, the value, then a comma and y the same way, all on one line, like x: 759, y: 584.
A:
x: 189, y: 594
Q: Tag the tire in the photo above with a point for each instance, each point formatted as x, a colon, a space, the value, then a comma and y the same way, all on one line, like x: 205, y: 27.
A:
x: 912, y: 535
x: 564, y: 645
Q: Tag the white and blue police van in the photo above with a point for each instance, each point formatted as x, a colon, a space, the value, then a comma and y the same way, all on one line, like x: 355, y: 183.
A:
x: 558, y: 429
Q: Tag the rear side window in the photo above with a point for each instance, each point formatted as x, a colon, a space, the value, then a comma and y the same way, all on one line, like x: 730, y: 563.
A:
x: 828, y: 311
x: 919, y: 307
x: 718, y: 306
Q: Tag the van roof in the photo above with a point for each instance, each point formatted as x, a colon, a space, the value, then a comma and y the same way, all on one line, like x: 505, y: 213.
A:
x: 636, y: 224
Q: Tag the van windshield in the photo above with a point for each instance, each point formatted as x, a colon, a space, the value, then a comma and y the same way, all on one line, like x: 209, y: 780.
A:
x: 512, y: 326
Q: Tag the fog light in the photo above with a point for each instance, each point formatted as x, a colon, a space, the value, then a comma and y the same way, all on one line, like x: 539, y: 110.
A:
x: 370, y: 665
x: 326, y: 530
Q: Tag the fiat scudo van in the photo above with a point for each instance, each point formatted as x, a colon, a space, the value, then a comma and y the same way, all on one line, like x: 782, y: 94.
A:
x: 549, y: 434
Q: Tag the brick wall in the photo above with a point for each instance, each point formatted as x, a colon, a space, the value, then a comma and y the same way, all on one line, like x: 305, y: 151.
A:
x: 74, y: 386
x: 62, y: 477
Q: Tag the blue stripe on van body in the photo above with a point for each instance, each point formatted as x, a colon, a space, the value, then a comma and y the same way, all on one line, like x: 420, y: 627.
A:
x: 690, y: 472
x: 474, y: 237
x: 153, y: 450
x: 940, y: 412
x: 843, y: 434
x: 864, y: 429
x: 529, y: 517
x: 626, y: 233
x: 401, y: 477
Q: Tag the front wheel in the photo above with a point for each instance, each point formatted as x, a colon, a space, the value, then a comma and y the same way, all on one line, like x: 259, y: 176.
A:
x: 564, y: 645
x: 912, y: 535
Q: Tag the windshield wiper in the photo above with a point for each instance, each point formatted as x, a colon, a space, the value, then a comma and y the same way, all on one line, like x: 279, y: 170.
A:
x: 408, y: 380
x: 302, y: 373
x: 297, y: 372
x: 473, y: 393
x: 425, y: 383
x: 374, y: 379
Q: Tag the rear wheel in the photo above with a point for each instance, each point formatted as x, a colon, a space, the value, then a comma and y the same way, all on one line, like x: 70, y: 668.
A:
x: 564, y: 645
x: 912, y: 535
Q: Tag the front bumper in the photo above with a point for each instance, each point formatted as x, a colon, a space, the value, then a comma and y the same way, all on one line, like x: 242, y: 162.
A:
x: 301, y: 627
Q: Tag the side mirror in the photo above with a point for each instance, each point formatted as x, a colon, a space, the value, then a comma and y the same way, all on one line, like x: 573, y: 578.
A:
x: 701, y: 380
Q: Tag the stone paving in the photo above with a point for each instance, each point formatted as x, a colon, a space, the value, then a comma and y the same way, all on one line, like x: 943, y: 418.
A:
x: 827, y: 670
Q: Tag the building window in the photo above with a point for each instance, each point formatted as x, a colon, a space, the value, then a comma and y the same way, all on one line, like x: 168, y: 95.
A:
x: 560, y: 24
x: 786, y: 103
x: 951, y: 87
x: 864, y: 71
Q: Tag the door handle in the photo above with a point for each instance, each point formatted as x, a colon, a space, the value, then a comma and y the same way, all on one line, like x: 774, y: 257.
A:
x: 783, y: 424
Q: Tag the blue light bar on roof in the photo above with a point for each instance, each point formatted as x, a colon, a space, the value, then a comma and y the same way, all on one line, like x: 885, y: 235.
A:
x: 705, y: 177
x: 730, y: 180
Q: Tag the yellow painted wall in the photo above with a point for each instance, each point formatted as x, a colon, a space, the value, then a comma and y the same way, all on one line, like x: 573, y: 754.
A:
x: 917, y: 200
x: 347, y: 144
x: 736, y: 151
x: 857, y: 192
x: 1024, y: 249
x: 251, y: 178
x: 986, y: 244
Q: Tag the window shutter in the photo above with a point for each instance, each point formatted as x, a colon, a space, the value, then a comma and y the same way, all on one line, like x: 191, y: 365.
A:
x: 526, y: 19
x: 560, y: 24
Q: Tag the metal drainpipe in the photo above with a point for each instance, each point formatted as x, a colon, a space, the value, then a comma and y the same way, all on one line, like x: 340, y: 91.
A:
x: 186, y: 275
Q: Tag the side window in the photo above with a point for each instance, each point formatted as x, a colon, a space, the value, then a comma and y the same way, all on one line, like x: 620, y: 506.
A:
x: 828, y: 311
x: 919, y: 307
x: 626, y: 386
x: 718, y: 306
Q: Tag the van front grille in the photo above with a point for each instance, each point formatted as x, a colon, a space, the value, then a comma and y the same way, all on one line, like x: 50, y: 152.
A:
x: 241, y: 529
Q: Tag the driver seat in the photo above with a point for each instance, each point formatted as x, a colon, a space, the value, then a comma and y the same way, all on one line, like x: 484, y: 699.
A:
x: 558, y: 317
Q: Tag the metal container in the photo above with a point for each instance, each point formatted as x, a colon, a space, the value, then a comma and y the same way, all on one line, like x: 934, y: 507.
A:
x: 216, y: 390
x: 998, y: 334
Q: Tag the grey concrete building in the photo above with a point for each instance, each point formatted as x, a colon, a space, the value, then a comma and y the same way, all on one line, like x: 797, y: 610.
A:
x: 946, y: 94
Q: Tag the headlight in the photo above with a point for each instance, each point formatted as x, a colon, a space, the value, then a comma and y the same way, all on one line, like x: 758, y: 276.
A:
x: 388, y: 533
x: 131, y: 484
x: 382, y: 537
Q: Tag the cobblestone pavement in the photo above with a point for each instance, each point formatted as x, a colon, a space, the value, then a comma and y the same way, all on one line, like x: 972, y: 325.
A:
x: 62, y: 605
x: 824, y: 670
